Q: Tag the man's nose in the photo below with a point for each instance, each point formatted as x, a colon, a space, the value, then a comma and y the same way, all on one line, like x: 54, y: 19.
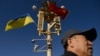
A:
x: 90, y: 42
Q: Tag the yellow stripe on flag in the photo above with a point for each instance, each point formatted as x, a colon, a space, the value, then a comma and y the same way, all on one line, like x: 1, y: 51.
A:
x: 19, y: 22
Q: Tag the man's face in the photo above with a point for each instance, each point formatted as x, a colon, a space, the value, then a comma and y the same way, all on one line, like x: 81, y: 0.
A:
x: 82, y: 45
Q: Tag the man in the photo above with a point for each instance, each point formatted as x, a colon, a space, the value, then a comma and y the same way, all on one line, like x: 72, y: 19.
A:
x: 78, y: 43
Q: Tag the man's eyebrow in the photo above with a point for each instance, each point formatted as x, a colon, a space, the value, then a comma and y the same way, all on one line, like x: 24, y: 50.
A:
x: 74, y: 36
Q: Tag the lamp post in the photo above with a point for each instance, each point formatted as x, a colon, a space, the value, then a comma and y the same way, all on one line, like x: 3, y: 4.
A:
x: 52, y: 22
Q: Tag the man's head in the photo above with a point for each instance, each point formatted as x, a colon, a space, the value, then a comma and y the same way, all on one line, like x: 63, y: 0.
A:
x: 79, y: 42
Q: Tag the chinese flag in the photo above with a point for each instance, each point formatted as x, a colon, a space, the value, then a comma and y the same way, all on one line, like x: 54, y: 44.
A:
x: 59, y: 11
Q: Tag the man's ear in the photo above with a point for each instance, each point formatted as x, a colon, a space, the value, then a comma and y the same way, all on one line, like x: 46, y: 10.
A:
x: 70, y: 42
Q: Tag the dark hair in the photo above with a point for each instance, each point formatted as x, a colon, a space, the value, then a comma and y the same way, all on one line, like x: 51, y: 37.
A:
x: 66, y: 45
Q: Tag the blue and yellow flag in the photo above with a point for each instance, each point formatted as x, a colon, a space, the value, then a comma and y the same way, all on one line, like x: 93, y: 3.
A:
x: 19, y: 22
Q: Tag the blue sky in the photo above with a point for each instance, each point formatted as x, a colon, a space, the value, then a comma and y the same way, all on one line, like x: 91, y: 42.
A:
x: 84, y: 14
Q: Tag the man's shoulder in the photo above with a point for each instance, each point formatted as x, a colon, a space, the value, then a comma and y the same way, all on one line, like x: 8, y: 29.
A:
x: 69, y: 53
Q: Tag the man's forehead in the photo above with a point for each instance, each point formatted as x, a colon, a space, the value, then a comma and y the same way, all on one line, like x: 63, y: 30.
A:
x: 78, y: 36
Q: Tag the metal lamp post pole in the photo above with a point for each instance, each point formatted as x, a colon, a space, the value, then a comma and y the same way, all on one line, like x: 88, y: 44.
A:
x: 49, y: 41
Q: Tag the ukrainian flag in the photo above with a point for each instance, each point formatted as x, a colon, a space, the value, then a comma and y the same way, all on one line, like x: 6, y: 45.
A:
x: 19, y: 22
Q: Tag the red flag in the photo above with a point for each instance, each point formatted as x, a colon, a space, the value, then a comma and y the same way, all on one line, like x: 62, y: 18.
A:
x: 59, y: 11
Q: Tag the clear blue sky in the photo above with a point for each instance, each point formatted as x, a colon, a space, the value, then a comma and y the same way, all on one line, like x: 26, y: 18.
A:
x: 84, y: 14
